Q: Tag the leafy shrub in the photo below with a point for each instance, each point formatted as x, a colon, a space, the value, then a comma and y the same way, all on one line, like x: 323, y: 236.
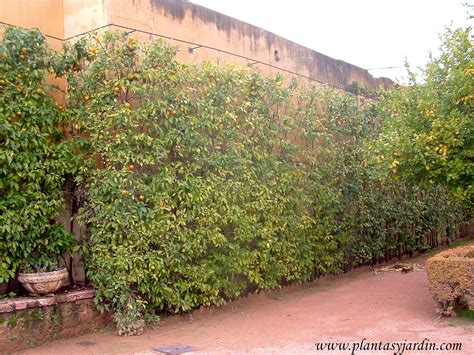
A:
x: 129, y: 320
x: 34, y: 157
x: 451, y: 277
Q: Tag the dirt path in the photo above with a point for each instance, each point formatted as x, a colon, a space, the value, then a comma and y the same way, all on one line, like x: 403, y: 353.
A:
x: 384, y: 307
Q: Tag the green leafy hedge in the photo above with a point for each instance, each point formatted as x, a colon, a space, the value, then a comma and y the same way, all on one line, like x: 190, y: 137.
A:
x: 205, y: 182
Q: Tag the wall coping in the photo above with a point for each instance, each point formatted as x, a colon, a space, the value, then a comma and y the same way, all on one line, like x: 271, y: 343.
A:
x: 22, y: 303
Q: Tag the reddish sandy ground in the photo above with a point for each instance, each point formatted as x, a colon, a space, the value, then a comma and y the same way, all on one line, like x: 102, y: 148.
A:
x: 387, y: 307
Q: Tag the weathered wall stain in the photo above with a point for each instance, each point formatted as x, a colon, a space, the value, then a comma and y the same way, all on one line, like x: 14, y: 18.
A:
x: 317, y: 65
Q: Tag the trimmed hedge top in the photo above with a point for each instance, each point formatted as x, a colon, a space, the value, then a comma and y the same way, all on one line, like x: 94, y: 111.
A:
x: 451, y: 277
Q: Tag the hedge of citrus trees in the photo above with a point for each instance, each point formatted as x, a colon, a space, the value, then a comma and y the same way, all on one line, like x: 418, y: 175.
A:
x: 205, y: 182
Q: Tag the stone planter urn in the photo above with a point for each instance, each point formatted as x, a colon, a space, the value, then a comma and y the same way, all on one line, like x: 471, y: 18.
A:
x: 42, y: 283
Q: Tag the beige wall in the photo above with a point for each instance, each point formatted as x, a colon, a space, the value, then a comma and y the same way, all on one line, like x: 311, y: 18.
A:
x: 83, y: 15
x: 44, y: 14
x: 190, y: 22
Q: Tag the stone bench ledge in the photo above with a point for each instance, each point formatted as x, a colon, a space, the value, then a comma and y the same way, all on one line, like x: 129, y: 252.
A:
x: 21, y: 303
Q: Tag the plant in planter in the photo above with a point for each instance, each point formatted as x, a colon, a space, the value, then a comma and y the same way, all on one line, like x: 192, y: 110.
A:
x: 43, y: 275
x: 35, y: 160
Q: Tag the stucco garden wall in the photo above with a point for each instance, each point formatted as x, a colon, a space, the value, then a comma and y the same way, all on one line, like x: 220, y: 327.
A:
x: 189, y: 22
